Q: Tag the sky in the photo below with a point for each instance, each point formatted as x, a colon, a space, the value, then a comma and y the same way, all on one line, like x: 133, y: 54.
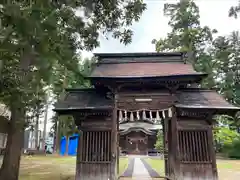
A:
x: 153, y: 25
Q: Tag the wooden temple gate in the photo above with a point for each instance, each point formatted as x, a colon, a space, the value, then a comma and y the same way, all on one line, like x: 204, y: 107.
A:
x: 152, y: 81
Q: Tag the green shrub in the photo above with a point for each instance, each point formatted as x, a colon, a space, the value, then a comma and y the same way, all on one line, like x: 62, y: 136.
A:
x: 159, y: 143
x: 232, y: 150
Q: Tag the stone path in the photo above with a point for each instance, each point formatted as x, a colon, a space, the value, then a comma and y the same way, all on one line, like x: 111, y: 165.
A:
x: 139, y: 170
x: 129, y: 171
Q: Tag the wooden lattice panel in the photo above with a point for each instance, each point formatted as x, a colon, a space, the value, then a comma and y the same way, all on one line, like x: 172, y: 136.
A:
x: 96, y: 146
x: 194, y: 146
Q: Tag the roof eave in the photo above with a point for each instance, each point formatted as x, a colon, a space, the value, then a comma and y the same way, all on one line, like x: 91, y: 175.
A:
x: 230, y: 110
x: 83, y: 108
x: 149, y: 77
x: 137, y: 54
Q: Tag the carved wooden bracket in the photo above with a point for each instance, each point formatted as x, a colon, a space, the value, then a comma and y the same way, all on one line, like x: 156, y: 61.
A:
x: 172, y: 86
x: 206, y: 114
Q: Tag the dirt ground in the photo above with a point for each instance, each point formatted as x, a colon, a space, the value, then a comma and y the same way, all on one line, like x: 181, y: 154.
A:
x: 228, y: 169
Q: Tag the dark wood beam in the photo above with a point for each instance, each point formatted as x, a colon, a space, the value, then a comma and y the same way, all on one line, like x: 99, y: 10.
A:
x: 174, y: 158
x: 114, y: 144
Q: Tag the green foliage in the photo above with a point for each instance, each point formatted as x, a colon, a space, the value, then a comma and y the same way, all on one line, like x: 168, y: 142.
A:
x: 38, y: 37
x: 226, y: 56
x: 88, y: 65
x: 187, y: 35
x: 218, y: 57
x: 232, y: 150
x: 67, y: 126
x: 225, y: 133
x: 226, y: 136
x: 159, y: 143
x: 40, y: 44
x: 234, y: 10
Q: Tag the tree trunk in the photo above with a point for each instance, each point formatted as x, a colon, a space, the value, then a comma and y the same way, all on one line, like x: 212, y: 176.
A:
x: 11, y: 160
x: 55, y: 143
x: 57, y: 137
x: 36, y: 130
x: 66, y: 149
x: 45, y: 125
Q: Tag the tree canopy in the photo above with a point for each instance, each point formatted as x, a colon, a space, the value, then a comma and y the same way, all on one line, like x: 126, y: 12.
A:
x: 216, y: 55
x: 41, y: 42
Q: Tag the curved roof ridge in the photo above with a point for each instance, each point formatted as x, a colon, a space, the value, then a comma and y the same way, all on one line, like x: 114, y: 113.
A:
x: 128, y: 130
x: 142, y: 57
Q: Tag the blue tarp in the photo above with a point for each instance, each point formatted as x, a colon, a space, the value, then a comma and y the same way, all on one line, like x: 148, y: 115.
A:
x: 72, y: 145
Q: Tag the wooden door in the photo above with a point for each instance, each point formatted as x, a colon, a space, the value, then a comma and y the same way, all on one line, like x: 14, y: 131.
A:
x: 94, y: 156
x: 142, y: 145
x: 195, y: 153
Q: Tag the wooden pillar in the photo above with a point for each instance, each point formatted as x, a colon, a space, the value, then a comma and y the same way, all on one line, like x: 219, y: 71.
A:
x: 212, y: 154
x: 164, y: 131
x: 169, y: 139
x: 174, y: 156
x: 114, y: 139
x: 79, y: 155
x: 118, y: 140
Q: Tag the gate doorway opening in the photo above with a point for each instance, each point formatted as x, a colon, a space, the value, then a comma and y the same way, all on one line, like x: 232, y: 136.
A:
x: 144, y: 133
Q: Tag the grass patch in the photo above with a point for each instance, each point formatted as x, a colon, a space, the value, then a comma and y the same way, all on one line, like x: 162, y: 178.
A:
x: 53, y: 167
x: 227, y: 169
x: 47, y: 167
x: 123, y: 164
x: 157, y: 165
x: 229, y: 164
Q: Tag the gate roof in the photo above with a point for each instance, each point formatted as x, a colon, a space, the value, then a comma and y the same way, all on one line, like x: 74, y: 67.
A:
x: 142, y: 65
x: 202, y: 98
x: 90, y: 99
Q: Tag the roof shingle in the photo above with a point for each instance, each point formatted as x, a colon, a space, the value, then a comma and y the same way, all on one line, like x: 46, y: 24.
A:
x: 141, y: 65
x: 83, y: 99
x: 133, y: 70
x: 203, y: 99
